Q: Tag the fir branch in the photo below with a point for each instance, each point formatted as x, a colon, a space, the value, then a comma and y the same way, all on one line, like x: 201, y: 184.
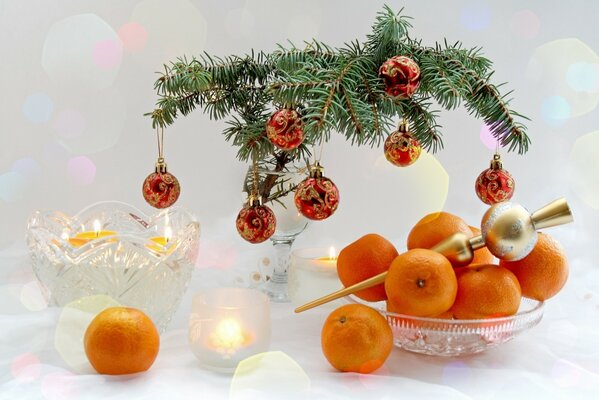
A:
x: 336, y: 89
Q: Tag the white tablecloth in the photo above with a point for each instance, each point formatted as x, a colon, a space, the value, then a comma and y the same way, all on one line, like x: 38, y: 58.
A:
x: 558, y: 359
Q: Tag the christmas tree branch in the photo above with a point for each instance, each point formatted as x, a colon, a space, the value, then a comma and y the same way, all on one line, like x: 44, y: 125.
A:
x: 337, y: 89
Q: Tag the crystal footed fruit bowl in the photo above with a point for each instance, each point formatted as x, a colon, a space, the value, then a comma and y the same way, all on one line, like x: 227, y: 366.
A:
x: 111, y: 248
x: 449, y: 337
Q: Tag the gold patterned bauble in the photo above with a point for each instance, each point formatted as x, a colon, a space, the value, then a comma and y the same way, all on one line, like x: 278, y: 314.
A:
x: 401, y: 147
x: 508, y: 231
x: 316, y: 197
x: 256, y: 222
x: 495, y: 184
x: 161, y: 189
x: 285, y: 129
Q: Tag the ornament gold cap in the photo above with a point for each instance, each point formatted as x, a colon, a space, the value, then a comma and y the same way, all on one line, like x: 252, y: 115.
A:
x: 496, y: 162
x: 254, y: 200
x: 404, y: 126
x: 161, y: 166
x: 316, y: 170
x: 555, y: 213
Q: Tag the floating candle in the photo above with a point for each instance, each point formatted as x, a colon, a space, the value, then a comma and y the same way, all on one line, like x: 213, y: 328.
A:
x: 162, y: 242
x: 82, y: 238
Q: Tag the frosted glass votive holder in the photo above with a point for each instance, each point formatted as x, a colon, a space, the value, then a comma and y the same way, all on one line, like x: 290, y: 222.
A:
x: 227, y: 325
x: 312, y: 274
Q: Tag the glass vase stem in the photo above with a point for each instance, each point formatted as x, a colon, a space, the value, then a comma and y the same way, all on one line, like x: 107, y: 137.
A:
x: 276, y: 287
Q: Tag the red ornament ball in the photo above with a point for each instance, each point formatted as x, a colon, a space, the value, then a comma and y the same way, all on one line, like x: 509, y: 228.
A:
x: 402, y: 149
x: 495, y: 185
x: 285, y: 129
x: 256, y: 223
x: 316, y: 198
x: 401, y: 75
x: 161, y: 189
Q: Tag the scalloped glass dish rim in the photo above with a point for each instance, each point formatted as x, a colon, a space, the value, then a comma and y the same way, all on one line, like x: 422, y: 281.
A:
x: 142, y: 236
x: 456, y: 322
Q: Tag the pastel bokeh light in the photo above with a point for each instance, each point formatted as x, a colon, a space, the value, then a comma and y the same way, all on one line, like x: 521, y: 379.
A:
x: 177, y: 29
x: 133, y: 37
x: 583, y: 77
x: 427, y: 180
x: 38, y: 108
x: 217, y: 254
x: 475, y: 16
x: 81, y: 170
x: 105, y: 114
x: 27, y: 167
x: 12, y: 186
x: 558, y: 70
x: 70, y: 54
x: 72, y: 324
x: 585, y: 169
x: 526, y: 24
x: 26, y: 368
x: 555, y: 110
x: 487, y: 137
x: 70, y: 123
x: 32, y: 298
x: 267, y: 375
x: 108, y: 53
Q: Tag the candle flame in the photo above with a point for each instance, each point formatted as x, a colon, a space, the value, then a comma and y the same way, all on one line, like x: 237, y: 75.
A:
x: 168, y: 233
x: 97, y: 226
x: 332, y: 253
x: 228, y: 337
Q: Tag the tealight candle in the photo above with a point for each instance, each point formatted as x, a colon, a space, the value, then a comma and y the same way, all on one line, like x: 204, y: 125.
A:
x: 161, y: 242
x: 228, y: 325
x: 82, y: 238
x: 312, y: 274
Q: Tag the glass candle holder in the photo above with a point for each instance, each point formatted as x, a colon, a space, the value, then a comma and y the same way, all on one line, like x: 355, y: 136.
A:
x: 227, y: 325
x: 113, y: 249
x: 313, y: 274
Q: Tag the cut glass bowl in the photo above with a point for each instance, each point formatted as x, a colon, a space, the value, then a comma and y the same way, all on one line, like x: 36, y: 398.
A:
x: 449, y: 337
x: 130, y: 259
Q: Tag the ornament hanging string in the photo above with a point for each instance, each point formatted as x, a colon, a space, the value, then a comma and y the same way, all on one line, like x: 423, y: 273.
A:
x: 320, y: 150
x: 160, y: 140
x: 161, y: 189
x: 255, y: 191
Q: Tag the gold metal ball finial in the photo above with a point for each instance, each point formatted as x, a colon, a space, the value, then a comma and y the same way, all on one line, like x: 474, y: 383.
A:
x: 508, y: 231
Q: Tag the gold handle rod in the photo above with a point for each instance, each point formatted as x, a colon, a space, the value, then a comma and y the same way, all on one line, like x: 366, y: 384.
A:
x: 380, y: 278
x: 458, y: 249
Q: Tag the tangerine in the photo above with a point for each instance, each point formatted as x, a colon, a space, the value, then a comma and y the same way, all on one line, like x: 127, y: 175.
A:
x: 486, y: 291
x: 121, y: 340
x: 366, y: 257
x: 482, y: 255
x: 543, y: 272
x: 420, y: 282
x: 356, y: 338
x: 434, y: 228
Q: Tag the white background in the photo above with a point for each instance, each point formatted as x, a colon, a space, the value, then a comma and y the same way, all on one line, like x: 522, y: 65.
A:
x: 75, y: 84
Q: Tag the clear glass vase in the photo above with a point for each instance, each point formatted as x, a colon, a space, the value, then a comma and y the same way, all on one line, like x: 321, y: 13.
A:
x: 290, y: 223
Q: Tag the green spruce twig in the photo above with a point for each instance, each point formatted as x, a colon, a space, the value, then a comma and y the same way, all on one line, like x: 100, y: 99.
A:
x: 336, y: 90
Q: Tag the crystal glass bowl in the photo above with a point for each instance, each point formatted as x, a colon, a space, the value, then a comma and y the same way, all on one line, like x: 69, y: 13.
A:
x: 111, y: 248
x: 448, y: 337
